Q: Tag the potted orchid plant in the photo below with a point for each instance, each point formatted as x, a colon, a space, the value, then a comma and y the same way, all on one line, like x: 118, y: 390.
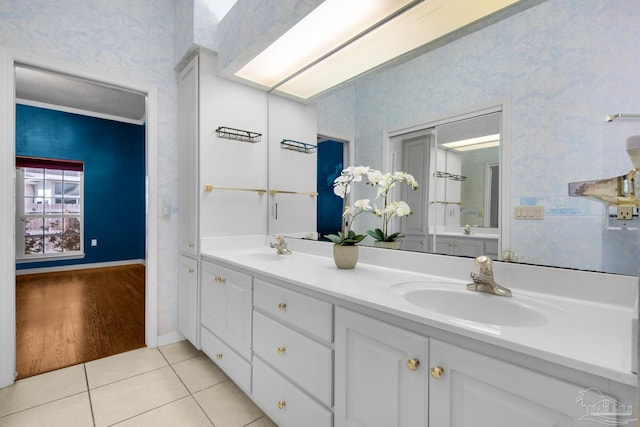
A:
x: 385, y: 182
x: 345, y: 249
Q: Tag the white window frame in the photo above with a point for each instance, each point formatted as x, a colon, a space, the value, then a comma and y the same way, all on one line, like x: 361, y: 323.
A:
x: 21, y: 257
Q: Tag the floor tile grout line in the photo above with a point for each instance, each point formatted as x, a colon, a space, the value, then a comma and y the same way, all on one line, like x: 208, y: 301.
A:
x: 187, y: 388
x: 86, y: 379
x: 42, y: 404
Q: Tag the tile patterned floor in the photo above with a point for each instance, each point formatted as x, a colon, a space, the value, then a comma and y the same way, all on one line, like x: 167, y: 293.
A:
x: 174, y: 385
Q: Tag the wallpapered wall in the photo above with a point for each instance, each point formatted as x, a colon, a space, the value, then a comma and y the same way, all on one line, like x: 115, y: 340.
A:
x: 564, y: 65
x: 114, y: 177
x: 131, y: 40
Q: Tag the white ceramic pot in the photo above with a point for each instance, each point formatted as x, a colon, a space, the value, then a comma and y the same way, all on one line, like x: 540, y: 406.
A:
x: 345, y: 256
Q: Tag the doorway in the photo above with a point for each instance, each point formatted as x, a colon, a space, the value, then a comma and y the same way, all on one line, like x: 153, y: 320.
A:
x: 8, y: 64
x: 332, y: 154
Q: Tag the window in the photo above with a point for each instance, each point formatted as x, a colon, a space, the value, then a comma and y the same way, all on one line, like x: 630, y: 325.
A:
x: 49, y: 221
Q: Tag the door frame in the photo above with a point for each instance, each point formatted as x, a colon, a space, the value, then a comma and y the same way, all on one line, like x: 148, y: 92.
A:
x: 8, y: 61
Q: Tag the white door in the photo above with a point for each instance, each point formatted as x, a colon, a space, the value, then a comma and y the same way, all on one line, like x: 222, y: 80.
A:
x: 380, y: 374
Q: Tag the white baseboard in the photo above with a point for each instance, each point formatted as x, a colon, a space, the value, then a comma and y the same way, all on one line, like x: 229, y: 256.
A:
x: 79, y: 266
x: 170, y: 338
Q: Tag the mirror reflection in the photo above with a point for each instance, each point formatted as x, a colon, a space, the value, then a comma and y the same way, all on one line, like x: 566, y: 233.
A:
x: 554, y: 95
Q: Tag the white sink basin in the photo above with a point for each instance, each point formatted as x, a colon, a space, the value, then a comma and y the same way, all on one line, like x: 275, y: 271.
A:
x: 455, y: 301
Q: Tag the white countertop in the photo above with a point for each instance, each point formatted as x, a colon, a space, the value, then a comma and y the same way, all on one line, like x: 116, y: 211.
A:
x: 585, y: 331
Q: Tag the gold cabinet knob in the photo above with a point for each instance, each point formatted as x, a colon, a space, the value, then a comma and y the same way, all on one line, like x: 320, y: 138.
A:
x: 281, y: 404
x: 437, y: 372
x: 223, y: 280
x: 413, y: 364
x: 191, y: 244
x: 216, y: 279
x: 282, y: 350
x: 282, y: 306
x: 219, y: 356
x: 191, y: 270
x: 219, y: 279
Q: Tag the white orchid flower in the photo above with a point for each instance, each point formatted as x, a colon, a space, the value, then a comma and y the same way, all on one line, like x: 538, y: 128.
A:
x: 341, y: 190
x: 362, y: 204
x: 402, y: 208
x: 374, y: 176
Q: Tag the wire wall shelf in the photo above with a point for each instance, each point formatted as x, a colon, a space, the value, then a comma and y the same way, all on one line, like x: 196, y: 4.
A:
x: 238, y: 134
x: 302, y: 147
x: 451, y: 176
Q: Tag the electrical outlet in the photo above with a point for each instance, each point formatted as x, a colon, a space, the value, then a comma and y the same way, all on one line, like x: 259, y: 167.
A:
x: 624, y: 212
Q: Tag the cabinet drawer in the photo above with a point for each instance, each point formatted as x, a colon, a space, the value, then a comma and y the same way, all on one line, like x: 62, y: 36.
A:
x: 304, y: 361
x: 238, y: 369
x: 285, y: 403
x: 307, y: 313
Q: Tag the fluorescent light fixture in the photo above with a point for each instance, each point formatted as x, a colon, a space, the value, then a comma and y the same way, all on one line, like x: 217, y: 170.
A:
x: 474, y: 143
x: 423, y: 23
x: 329, y: 26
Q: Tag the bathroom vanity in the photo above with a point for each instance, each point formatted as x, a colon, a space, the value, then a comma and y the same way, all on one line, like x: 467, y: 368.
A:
x: 399, y: 341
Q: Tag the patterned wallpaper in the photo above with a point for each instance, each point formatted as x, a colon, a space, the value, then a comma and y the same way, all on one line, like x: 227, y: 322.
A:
x: 564, y: 65
x: 131, y: 40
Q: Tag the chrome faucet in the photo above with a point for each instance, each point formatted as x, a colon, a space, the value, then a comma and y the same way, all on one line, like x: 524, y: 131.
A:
x: 280, y: 245
x: 483, y: 281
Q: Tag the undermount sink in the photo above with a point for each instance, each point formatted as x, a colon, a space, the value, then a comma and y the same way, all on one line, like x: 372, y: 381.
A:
x: 456, y: 301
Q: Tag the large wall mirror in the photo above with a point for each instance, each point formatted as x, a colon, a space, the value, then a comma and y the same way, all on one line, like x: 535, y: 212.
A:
x: 555, y: 82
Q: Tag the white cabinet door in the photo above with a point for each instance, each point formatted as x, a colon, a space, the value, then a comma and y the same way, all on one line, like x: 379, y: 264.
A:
x: 188, y: 158
x: 188, y: 299
x: 374, y: 383
x: 212, y: 296
x: 238, y: 312
x: 479, y: 391
x: 468, y: 247
x: 226, y: 306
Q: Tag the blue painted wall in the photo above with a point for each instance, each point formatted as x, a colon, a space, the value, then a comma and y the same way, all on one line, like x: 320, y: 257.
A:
x: 114, y: 179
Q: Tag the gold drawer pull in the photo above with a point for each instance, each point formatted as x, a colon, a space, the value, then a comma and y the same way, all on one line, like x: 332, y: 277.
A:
x: 281, y: 404
x: 282, y: 306
x: 413, y: 364
x: 219, y: 356
x: 437, y: 372
x: 191, y: 270
x: 282, y: 350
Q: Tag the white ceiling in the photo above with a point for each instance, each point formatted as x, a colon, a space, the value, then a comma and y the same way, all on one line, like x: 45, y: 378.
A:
x: 49, y: 89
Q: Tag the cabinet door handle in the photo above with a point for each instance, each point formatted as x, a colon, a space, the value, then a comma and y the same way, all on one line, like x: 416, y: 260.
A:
x: 413, y: 364
x: 282, y: 306
x: 282, y: 350
x: 219, y: 279
x: 191, y: 270
x: 437, y: 372
x: 191, y: 244
x: 219, y: 356
x: 281, y: 404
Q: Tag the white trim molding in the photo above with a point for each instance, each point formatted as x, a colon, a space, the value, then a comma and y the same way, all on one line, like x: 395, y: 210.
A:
x: 8, y: 60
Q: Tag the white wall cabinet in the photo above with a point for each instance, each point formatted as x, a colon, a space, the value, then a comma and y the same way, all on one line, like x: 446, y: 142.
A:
x: 381, y: 374
x: 188, y: 318
x: 475, y: 390
x: 226, y: 311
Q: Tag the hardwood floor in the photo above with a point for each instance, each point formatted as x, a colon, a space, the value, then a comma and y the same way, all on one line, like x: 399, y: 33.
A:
x: 71, y: 317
